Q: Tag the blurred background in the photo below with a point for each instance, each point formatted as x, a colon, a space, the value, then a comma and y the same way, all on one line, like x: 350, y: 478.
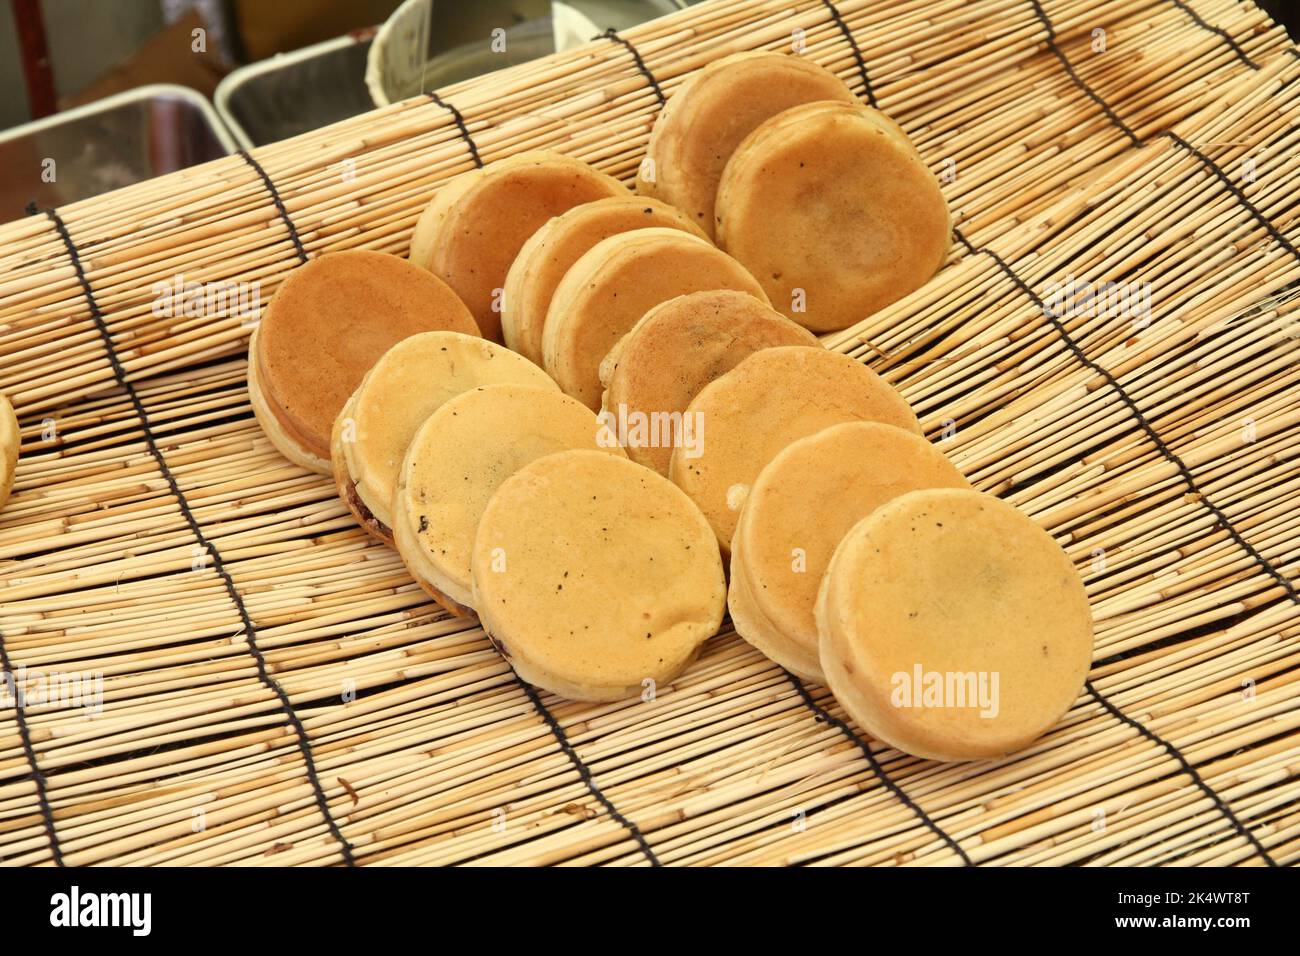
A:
x: 98, y: 94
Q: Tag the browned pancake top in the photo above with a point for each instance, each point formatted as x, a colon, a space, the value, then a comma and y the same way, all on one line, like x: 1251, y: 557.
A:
x: 331, y: 320
x: 478, y: 239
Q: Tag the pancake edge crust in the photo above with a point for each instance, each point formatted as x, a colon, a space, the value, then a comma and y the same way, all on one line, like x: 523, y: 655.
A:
x: 756, y: 629
x: 271, y: 427
x: 10, y: 439
x: 412, y: 555
x: 347, y: 487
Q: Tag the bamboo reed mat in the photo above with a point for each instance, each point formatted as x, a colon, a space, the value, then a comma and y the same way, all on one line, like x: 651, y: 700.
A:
x: 277, y: 691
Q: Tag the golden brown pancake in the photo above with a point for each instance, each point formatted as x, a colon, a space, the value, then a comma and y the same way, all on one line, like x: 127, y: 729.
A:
x: 803, y: 502
x: 833, y: 210
x: 953, y: 627
x: 770, y: 399
x: 554, y: 248
x: 677, y: 348
x: 474, y: 226
x: 326, y: 325
x: 458, y: 459
x: 10, y: 439
x: 595, y: 577
x: 713, y: 111
x: 616, y: 282
x: 409, y: 383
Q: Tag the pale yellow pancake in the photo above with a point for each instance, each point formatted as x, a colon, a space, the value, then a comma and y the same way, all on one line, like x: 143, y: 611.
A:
x: 596, y: 576
x: 613, y: 285
x: 555, y: 247
x: 457, y: 460
x: 677, y: 348
x: 713, y: 111
x: 407, y: 385
x: 803, y: 502
x: 770, y: 399
x: 474, y: 226
x: 953, y: 627
x: 833, y: 210
x: 10, y: 439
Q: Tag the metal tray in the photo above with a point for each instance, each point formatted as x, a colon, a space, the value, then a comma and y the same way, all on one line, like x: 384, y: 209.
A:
x: 122, y: 139
x: 296, y: 92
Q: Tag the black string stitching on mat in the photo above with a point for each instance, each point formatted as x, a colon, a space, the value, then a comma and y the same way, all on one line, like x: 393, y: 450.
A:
x: 1184, y: 472
x: 279, y: 204
x: 1240, y: 196
x: 1188, y: 480
x: 1187, y: 768
x: 25, y: 734
x: 1168, y: 453
x: 583, y: 770
x: 1208, y: 163
x: 612, y: 34
x: 1078, y: 81
x: 857, y: 51
x: 460, y: 125
x: 825, y: 716
x: 1236, y: 47
x: 304, y: 746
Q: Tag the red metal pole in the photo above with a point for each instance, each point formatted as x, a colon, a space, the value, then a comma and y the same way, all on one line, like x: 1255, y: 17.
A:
x: 41, y: 98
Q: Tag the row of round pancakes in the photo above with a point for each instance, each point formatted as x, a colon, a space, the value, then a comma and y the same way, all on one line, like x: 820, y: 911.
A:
x: 511, y: 500
x: 594, y: 575
x: 418, y: 469
x: 560, y: 261
x: 860, y: 558
x: 863, y: 560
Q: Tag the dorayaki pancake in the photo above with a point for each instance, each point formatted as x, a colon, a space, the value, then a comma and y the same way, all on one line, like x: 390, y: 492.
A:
x: 613, y: 285
x: 284, y: 443
x: 329, y: 321
x: 407, y: 385
x: 10, y: 439
x: 952, y: 626
x: 456, y: 462
x: 803, y: 502
x: 833, y: 210
x: 713, y: 111
x: 554, y: 248
x: 677, y: 348
x: 474, y: 226
x: 770, y: 399
x: 594, y: 575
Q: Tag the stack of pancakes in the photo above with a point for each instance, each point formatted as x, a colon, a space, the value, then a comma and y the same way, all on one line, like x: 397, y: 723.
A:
x: 574, y: 409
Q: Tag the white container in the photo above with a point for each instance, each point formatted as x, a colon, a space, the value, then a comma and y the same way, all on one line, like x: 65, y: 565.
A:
x: 426, y: 44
